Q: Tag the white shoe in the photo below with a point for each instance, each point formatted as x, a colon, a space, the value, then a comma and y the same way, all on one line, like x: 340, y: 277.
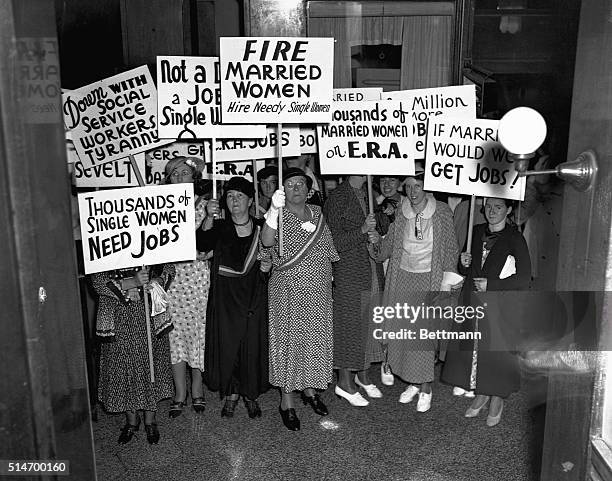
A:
x: 459, y: 391
x: 469, y: 394
x: 424, y: 402
x: 370, y: 389
x: 408, y: 394
x: 386, y: 376
x: 354, y: 399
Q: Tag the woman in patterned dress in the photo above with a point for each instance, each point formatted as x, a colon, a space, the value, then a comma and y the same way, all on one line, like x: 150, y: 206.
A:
x: 420, y: 245
x: 300, y: 297
x: 187, y: 300
x: 237, y: 315
x: 124, y: 382
x: 356, y: 278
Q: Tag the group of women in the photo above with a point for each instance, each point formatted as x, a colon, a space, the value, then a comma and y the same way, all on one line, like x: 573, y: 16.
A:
x: 263, y: 306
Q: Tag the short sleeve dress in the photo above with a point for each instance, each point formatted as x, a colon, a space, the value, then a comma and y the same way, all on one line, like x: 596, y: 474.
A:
x: 187, y: 299
x: 300, y: 308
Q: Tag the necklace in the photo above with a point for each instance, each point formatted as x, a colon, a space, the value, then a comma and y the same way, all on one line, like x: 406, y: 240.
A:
x: 242, y: 225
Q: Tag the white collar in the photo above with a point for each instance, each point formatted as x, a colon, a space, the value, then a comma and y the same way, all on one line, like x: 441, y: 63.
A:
x: 428, y: 211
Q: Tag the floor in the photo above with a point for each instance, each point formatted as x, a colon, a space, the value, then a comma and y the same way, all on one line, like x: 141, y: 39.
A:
x: 385, y: 440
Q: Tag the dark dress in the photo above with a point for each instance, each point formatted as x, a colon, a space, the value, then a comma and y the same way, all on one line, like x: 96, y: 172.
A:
x: 124, y: 382
x: 495, y: 364
x: 236, y: 353
x: 356, y: 278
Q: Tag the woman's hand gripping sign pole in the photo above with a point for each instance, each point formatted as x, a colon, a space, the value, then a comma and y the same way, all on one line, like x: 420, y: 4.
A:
x: 145, y: 284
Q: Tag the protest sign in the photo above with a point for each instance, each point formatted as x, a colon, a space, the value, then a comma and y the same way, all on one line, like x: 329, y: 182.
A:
x: 119, y: 173
x: 276, y: 80
x: 357, y: 94
x: 159, y: 157
x: 189, y: 101
x: 267, y: 148
x: 308, y: 140
x: 465, y: 157
x: 422, y: 104
x: 39, y: 78
x: 148, y: 225
x: 370, y: 138
x: 113, y: 118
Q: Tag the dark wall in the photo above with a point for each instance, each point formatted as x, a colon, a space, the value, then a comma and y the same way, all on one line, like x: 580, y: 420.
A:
x: 89, y: 33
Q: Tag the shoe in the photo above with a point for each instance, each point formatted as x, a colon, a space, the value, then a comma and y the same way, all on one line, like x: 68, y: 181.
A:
x: 424, y: 402
x: 370, y: 389
x: 494, y: 420
x: 152, y: 433
x: 198, y: 404
x: 228, y: 408
x: 176, y: 408
x: 252, y: 408
x: 472, y: 411
x: 354, y: 399
x: 469, y: 394
x: 290, y: 419
x: 128, y: 431
x: 408, y: 394
x: 316, y: 404
x: 459, y: 391
x: 386, y: 376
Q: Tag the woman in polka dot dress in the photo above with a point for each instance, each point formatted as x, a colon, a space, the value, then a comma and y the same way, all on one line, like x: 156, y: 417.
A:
x: 300, y: 297
x: 187, y: 299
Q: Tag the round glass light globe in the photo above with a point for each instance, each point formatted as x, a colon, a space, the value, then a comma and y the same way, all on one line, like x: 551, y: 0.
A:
x: 522, y: 131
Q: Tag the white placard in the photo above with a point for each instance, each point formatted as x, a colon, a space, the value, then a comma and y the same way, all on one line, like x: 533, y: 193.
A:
x: 189, y: 101
x: 123, y: 228
x: 111, y: 174
x: 39, y: 78
x: 114, y: 117
x: 357, y: 94
x: 465, y: 157
x: 372, y: 138
x: 276, y: 80
x: 422, y: 104
x: 308, y: 140
x: 231, y: 150
x: 158, y: 159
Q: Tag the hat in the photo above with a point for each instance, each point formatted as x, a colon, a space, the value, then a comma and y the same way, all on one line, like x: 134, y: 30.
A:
x: 296, y: 172
x: 419, y: 170
x: 267, y: 172
x: 194, y: 163
x: 241, y: 185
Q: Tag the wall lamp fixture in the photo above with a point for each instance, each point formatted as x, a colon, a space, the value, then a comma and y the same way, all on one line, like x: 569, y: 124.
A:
x: 523, y: 130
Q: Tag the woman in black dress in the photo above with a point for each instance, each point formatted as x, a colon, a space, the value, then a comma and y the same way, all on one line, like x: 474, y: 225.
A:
x: 236, y: 353
x: 498, y: 261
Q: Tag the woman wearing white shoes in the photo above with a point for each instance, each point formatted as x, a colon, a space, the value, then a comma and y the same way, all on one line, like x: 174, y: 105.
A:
x: 493, y: 371
x: 356, y: 278
x: 420, y: 245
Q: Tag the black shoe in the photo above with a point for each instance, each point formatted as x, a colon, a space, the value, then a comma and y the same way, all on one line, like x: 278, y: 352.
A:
x: 176, y: 408
x: 152, y: 433
x: 252, y: 408
x: 198, y: 404
x: 316, y: 404
x: 127, y: 432
x: 290, y: 419
x: 229, y: 408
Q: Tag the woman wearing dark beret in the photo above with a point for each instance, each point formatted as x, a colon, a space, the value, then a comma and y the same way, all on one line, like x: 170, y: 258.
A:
x: 236, y: 354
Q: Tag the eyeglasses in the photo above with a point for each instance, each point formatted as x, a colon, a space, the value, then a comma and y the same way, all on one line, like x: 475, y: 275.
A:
x: 300, y: 184
x: 182, y: 173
